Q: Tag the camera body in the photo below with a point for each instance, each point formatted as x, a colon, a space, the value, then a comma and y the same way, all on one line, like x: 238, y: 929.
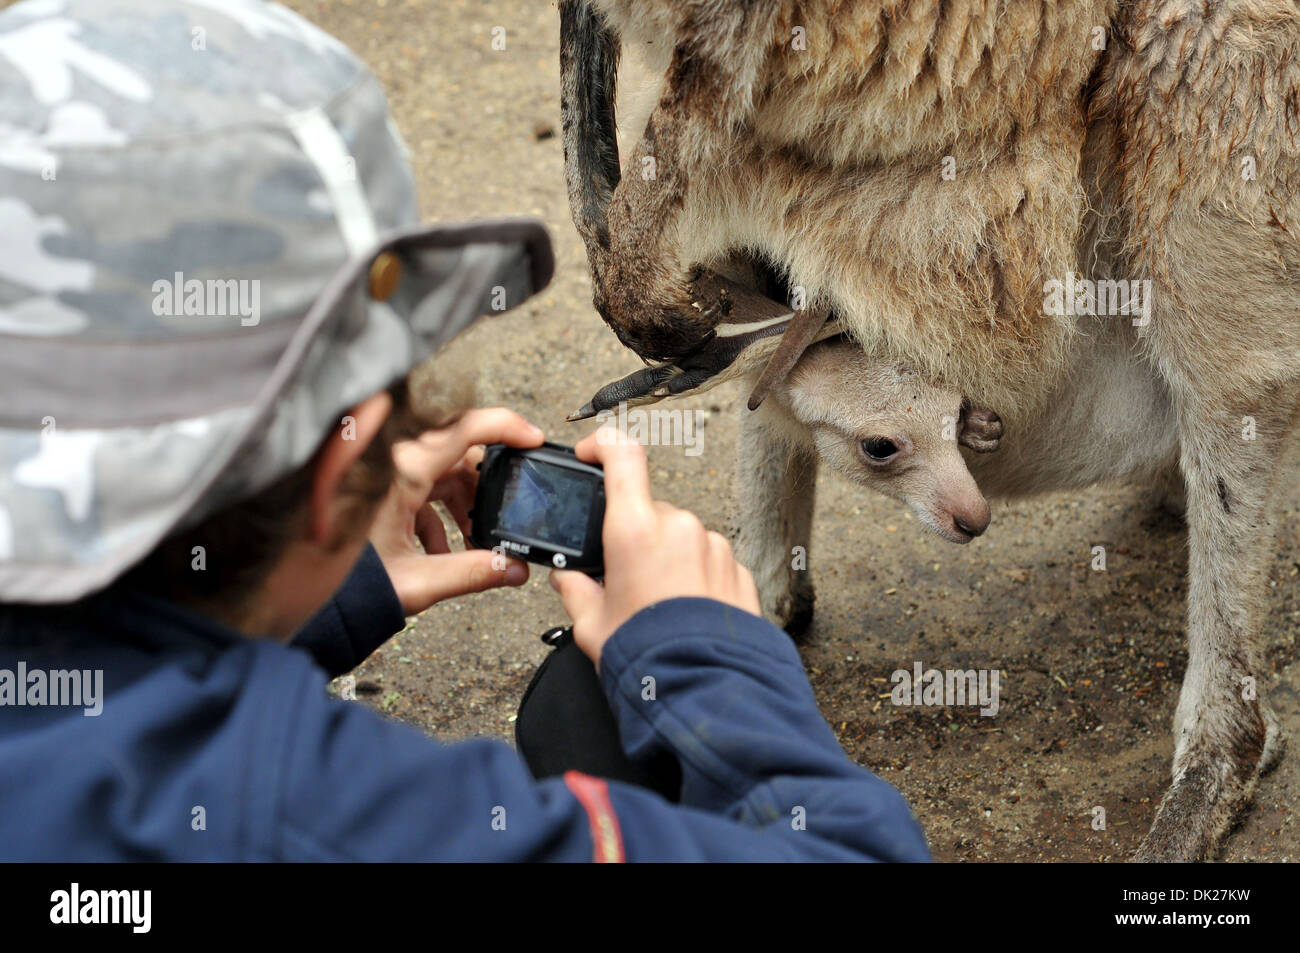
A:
x: 542, y: 505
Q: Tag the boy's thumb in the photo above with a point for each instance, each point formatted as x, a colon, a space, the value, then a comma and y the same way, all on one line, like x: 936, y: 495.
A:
x: 578, y: 591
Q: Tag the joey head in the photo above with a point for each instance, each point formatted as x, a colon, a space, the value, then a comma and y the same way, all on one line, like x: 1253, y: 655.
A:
x: 882, y: 426
x: 897, y: 434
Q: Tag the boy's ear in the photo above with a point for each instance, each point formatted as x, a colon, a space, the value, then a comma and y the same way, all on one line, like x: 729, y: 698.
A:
x: 340, y: 452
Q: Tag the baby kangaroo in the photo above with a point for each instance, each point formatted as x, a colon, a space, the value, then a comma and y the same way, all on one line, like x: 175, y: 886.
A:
x: 891, y: 429
x: 883, y: 426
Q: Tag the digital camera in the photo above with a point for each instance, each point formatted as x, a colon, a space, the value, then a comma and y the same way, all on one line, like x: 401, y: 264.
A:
x: 544, y: 505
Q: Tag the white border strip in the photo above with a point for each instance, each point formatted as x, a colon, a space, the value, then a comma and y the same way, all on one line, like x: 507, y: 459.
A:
x: 323, y: 144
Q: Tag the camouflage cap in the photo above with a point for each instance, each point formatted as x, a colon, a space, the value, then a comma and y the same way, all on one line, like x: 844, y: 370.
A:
x: 209, y: 250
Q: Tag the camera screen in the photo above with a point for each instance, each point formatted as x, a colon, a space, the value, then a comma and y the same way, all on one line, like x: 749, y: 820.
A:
x: 546, y: 503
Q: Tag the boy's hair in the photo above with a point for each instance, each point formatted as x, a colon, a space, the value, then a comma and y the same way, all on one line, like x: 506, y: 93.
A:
x: 242, y: 543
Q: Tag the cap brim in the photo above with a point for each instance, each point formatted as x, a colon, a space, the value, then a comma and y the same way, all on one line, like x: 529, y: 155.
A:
x: 450, y: 276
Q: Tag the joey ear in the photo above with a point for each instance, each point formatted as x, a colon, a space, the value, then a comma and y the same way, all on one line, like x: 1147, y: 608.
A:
x: 981, y: 428
x: 802, y: 331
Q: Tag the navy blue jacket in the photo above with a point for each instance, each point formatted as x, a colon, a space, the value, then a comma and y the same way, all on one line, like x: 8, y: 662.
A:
x: 213, y: 746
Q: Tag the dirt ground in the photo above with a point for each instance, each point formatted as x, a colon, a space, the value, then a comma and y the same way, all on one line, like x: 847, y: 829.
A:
x: 1090, y: 662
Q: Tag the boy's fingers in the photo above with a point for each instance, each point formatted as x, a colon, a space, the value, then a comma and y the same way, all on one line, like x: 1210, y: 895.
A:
x: 748, y: 590
x: 430, y: 531
x: 495, y: 425
x: 579, y: 593
x: 722, y: 564
x: 586, y: 447
x: 456, y: 492
x: 627, y: 478
x: 472, y: 570
x: 435, y: 452
x: 417, y: 462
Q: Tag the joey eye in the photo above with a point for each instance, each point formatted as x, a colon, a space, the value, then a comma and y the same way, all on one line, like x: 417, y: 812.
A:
x: 879, y: 449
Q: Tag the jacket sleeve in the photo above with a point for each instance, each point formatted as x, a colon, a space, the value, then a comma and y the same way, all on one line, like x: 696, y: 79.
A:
x: 764, y: 778
x: 725, y: 692
x: 363, y: 614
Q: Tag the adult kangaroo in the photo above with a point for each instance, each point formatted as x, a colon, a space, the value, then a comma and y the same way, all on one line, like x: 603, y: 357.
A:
x: 921, y: 172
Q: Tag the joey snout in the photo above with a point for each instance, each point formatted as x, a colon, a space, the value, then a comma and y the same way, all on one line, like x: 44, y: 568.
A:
x: 954, y: 508
x: 967, y: 512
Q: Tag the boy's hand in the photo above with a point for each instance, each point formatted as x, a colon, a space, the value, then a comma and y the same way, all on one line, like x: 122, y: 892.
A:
x: 653, y: 552
x: 407, y: 533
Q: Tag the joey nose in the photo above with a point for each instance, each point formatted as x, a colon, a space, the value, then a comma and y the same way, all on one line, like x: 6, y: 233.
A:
x: 970, y: 516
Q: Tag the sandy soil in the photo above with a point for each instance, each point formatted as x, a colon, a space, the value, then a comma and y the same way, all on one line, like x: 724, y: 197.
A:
x: 1090, y: 662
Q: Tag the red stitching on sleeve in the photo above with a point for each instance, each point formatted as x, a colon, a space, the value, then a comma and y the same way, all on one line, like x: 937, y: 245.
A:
x: 593, y: 795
